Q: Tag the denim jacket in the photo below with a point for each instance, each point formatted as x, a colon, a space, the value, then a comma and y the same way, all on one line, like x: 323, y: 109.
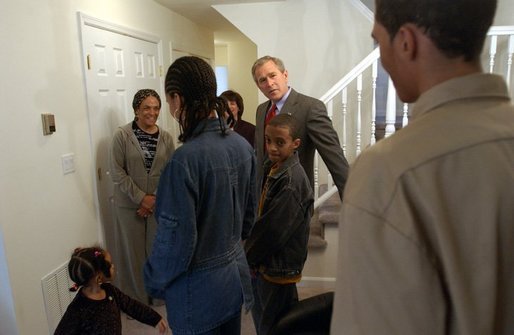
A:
x: 205, y: 206
x: 278, y: 242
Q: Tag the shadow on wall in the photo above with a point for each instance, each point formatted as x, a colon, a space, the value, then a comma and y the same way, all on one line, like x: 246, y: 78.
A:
x: 7, y: 315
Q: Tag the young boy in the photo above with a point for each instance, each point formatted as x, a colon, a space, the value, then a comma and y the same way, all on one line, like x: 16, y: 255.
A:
x: 277, y: 247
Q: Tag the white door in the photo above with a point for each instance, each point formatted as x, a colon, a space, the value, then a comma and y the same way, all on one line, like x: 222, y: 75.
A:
x: 117, y: 63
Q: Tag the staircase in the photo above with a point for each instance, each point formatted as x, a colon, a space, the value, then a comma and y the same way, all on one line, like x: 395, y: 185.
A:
x: 364, y: 108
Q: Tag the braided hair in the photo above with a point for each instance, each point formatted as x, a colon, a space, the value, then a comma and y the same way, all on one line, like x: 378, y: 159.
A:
x: 194, y: 81
x: 85, y: 263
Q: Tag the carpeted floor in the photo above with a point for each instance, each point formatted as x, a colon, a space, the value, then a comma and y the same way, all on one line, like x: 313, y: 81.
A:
x: 133, y: 327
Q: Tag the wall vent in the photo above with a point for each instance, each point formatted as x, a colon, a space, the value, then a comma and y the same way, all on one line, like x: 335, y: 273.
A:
x: 57, y: 295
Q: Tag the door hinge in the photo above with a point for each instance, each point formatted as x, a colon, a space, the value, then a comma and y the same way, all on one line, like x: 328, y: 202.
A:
x: 88, y: 60
x: 160, y: 70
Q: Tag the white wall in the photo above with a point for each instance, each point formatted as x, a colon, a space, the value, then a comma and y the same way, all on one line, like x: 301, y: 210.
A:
x: 43, y: 213
x: 504, y: 13
x: 318, y: 40
x: 238, y: 55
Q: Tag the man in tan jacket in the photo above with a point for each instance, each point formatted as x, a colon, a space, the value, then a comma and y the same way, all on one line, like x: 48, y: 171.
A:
x: 427, y: 225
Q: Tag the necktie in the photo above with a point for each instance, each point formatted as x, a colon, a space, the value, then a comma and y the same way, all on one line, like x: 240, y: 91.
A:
x: 271, y: 114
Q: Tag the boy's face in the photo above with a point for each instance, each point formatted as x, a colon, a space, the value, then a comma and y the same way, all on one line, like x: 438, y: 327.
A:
x: 279, y: 143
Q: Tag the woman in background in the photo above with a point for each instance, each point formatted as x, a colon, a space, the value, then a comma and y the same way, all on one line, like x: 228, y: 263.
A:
x: 140, y: 149
x: 236, y: 108
x: 205, y: 207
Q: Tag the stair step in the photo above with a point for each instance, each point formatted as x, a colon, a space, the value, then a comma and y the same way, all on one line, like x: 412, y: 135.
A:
x: 326, y: 214
x: 329, y: 210
x: 316, y: 234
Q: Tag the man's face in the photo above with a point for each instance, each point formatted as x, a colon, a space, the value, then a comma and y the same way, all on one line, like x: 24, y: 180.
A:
x: 271, y: 82
x: 394, y: 63
x: 379, y: 33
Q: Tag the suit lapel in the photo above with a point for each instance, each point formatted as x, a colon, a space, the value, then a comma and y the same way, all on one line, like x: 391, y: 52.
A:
x: 290, y: 102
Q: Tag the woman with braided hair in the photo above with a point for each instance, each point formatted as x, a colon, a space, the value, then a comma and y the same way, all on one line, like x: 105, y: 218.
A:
x: 205, y: 207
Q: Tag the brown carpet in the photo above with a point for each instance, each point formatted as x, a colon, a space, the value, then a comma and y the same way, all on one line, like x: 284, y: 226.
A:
x: 133, y: 327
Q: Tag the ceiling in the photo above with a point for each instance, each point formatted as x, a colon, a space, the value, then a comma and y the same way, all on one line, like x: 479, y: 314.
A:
x: 201, y: 12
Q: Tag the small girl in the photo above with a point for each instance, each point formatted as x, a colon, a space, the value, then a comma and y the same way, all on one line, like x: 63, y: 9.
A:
x: 97, y: 305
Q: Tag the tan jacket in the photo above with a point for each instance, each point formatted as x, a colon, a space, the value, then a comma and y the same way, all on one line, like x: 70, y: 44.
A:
x: 427, y: 225
x: 131, y: 181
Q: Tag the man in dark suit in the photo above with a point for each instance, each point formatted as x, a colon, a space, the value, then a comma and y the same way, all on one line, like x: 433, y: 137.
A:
x: 315, y: 128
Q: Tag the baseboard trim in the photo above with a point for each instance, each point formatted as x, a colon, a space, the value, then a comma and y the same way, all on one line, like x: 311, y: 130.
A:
x: 328, y: 283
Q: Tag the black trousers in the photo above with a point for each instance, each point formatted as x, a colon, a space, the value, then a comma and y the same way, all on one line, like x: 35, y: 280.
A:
x: 271, y: 301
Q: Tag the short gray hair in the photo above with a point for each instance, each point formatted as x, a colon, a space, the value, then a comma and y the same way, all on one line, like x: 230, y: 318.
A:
x: 261, y: 61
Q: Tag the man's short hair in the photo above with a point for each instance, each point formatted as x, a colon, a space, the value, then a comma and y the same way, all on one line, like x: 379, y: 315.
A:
x: 286, y: 121
x: 457, y: 27
x: 261, y: 61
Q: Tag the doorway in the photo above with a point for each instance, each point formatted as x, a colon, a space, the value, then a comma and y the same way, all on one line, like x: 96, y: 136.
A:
x: 118, y: 61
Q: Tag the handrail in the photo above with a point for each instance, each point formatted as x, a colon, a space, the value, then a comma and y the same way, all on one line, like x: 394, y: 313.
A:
x: 501, y: 30
x: 374, y: 56
x: 350, y: 76
x: 325, y: 196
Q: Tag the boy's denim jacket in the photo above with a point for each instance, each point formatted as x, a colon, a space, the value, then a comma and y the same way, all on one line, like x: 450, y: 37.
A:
x: 205, y: 205
x: 278, y: 242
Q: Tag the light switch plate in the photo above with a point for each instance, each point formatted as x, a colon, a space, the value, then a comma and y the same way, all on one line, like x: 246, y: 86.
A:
x: 68, y: 163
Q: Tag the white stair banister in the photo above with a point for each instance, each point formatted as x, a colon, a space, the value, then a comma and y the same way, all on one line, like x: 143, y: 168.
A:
x: 495, y: 34
x: 390, y: 109
x: 359, y: 115
x: 358, y: 69
x: 509, y: 59
x: 405, y: 119
x: 353, y: 108
x: 316, y: 182
x: 374, y: 73
x: 492, y: 52
x: 344, y: 102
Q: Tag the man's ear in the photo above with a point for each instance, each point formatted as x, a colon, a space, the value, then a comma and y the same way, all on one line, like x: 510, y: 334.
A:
x: 406, y: 42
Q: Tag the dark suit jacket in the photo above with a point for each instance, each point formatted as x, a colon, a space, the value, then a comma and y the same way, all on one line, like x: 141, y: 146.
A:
x: 316, y: 133
x: 245, y: 129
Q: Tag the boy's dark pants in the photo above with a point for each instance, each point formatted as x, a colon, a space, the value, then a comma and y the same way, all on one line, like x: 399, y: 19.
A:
x: 271, y: 301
